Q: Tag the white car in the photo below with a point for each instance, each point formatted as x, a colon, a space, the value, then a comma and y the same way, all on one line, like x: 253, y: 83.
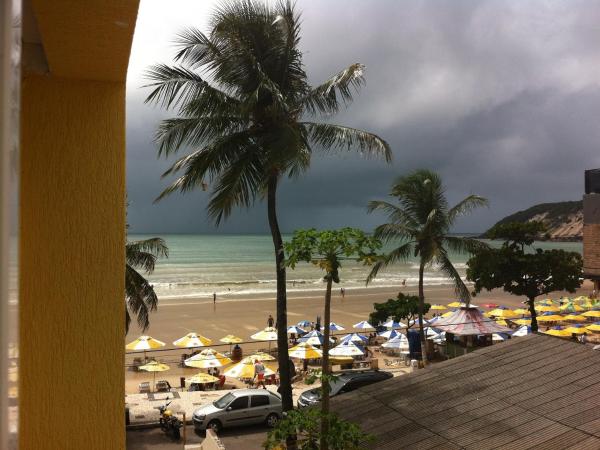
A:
x: 239, y: 407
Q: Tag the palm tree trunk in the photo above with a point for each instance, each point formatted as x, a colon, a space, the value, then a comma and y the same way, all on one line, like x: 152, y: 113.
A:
x: 421, y: 309
x: 282, y: 349
x: 325, y: 367
x: 532, y: 311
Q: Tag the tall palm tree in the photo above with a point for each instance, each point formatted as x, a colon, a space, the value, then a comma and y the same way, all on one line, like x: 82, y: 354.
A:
x: 140, y: 298
x: 242, y: 99
x: 421, y: 224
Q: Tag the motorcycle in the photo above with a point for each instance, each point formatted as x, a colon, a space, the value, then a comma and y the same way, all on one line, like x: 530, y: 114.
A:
x: 169, y: 423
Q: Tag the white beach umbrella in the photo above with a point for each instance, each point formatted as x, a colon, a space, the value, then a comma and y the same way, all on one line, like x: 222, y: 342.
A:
x: 400, y: 342
x: 266, y: 334
x: 415, y: 323
x: 207, y: 358
x: 346, y: 349
x: 389, y: 334
x: 523, y: 331
x: 335, y: 327
x: 363, y: 325
x: 430, y: 333
x: 314, y: 338
x: 498, y: 337
x: 295, y: 330
x: 305, y: 351
x: 192, y: 340
x: 355, y: 337
x: 393, y: 324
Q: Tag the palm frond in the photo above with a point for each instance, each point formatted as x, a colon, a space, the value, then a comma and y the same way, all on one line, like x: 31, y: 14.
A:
x: 395, y: 213
x: 448, y: 268
x: 327, y: 98
x: 394, y: 231
x: 465, y: 206
x: 337, y: 137
x: 140, y: 297
x: 196, y: 49
x: 143, y: 254
x: 464, y: 245
x: 400, y: 253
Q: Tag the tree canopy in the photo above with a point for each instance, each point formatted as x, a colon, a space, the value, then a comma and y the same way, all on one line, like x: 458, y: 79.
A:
x: 402, y: 308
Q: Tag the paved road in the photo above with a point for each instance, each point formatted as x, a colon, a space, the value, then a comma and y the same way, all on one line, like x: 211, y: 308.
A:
x: 242, y: 438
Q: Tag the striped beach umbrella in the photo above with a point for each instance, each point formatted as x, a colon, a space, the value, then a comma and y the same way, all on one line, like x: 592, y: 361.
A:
x: 305, y: 351
x: 245, y: 370
x: 191, y: 340
x: 363, y: 325
x: 314, y: 338
x: 335, y: 327
x: 201, y: 378
x: 355, y: 337
x: 389, y: 334
x: 393, y: 324
x: 303, y: 323
x: 346, y: 349
x: 231, y: 339
x: 207, y: 358
x: 145, y: 343
x: 295, y: 330
x: 400, y: 343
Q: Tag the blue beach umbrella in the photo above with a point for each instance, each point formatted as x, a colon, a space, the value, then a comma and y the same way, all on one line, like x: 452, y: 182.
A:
x: 355, y: 337
x: 335, y: 327
x: 303, y: 323
x: 389, y: 334
x: 295, y: 330
x: 364, y: 325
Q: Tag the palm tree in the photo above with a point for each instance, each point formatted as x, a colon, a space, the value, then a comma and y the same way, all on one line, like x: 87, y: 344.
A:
x: 140, y: 298
x: 242, y: 97
x: 421, y: 223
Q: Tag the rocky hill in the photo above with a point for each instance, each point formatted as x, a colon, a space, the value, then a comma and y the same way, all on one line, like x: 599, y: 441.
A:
x: 564, y: 220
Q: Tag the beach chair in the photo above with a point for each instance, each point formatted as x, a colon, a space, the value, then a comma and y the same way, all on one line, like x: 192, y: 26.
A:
x: 163, y: 386
x: 144, y: 387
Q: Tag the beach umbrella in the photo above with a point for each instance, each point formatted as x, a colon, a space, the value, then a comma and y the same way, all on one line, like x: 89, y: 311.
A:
x: 191, y: 340
x: 581, y: 299
x: 355, y: 337
x: 461, y: 305
x: 154, y: 366
x: 592, y: 313
x: 202, y: 378
x: 262, y: 356
x: 433, y: 320
x: 523, y: 331
x: 346, y: 349
x: 436, y: 307
x: 574, y: 318
x: 295, y: 330
x: 145, y: 343
x: 335, y: 327
x: 416, y: 322
x: 231, y: 339
x: 314, y: 338
x: 577, y: 329
x: 389, y: 334
x: 557, y: 331
x: 503, y: 312
x: 303, y: 323
x: 490, y: 305
x: 547, y: 308
x: 594, y: 327
x: 266, y: 334
x: 521, y: 311
x: 305, y: 351
x: 571, y: 307
x: 430, y: 333
x: 245, y: 370
x: 400, y: 343
x: 207, y: 358
x: 496, y: 337
x: 501, y: 322
x: 449, y: 313
x: 524, y: 321
x: 545, y: 302
x: 549, y: 317
x: 363, y: 325
x: 393, y: 324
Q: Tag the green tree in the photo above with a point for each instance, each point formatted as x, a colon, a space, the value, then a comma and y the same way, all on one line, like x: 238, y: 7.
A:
x: 243, y: 102
x: 522, y: 269
x: 421, y: 224
x: 326, y: 249
x: 304, y: 425
x: 402, y: 308
x: 140, y: 298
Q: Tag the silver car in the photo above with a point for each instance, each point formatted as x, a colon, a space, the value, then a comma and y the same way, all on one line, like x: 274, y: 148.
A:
x: 239, y: 407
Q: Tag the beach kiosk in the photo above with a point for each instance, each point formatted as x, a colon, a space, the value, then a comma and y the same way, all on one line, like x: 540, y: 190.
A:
x: 467, y: 329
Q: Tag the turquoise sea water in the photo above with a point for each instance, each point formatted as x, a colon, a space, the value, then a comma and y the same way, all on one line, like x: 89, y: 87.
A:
x: 199, y: 265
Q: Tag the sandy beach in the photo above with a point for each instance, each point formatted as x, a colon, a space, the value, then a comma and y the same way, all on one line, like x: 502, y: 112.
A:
x: 244, y: 315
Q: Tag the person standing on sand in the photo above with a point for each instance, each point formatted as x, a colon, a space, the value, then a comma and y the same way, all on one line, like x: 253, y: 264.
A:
x: 214, y: 298
x: 259, y: 373
x: 404, y: 282
x: 270, y: 321
x: 343, y: 292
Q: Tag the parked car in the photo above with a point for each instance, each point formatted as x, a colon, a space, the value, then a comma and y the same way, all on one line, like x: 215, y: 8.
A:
x: 239, y: 407
x: 346, y: 382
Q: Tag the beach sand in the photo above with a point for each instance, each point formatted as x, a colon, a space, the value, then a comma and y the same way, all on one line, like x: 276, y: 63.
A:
x: 244, y: 315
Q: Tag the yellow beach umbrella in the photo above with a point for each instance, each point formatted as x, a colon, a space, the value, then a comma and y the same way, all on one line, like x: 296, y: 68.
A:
x: 305, y: 351
x: 437, y: 307
x: 572, y: 307
x: 550, y: 318
x: 267, y: 334
x: 522, y: 321
x: 501, y: 322
x: 191, y: 340
x: 594, y: 327
x: 557, y: 331
x: 262, y: 356
x: 574, y: 318
x: 245, y: 369
x: 154, y: 366
x: 145, y: 343
x: 547, y: 308
x: 207, y: 358
x: 592, y: 313
x: 448, y: 314
x: 461, y: 305
x: 576, y: 329
x: 521, y: 311
x: 581, y: 298
x: 202, y: 378
x: 546, y: 302
x: 503, y: 312
x: 231, y: 339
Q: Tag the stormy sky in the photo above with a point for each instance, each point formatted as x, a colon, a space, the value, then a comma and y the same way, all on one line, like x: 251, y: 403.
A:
x: 502, y: 98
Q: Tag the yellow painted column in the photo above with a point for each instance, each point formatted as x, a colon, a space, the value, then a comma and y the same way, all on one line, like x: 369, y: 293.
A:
x: 72, y: 264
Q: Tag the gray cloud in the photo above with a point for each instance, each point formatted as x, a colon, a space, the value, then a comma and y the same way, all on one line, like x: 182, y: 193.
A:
x: 502, y: 98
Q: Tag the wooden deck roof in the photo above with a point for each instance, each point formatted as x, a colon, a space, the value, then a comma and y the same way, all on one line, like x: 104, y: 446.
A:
x: 530, y: 392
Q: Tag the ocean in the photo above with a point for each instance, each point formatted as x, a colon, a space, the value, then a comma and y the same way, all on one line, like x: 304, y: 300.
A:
x: 199, y: 265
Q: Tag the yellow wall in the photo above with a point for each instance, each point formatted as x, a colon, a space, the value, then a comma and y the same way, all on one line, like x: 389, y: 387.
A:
x: 72, y: 264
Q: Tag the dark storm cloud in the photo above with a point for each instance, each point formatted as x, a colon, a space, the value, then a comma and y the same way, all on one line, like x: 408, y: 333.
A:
x: 501, y: 98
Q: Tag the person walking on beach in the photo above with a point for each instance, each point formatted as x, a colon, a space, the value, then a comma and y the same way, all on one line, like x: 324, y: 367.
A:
x: 259, y: 373
x: 270, y: 321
